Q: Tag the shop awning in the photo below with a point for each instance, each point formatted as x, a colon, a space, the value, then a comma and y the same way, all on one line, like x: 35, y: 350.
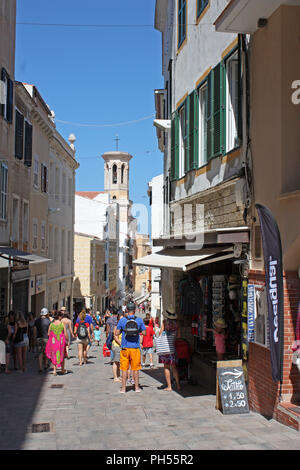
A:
x: 8, y: 252
x: 184, y: 260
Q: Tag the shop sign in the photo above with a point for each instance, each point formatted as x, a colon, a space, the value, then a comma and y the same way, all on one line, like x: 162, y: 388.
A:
x: 251, y: 311
x: 272, y: 249
x: 232, y: 387
x: 40, y: 283
x: 244, y: 321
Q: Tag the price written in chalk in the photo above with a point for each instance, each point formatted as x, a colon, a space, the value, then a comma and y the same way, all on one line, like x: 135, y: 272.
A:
x: 233, y: 391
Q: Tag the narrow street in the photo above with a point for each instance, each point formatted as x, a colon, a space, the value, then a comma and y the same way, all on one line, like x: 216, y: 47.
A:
x: 85, y: 410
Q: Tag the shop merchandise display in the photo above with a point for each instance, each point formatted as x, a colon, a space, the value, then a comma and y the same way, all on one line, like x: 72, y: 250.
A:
x: 205, y: 300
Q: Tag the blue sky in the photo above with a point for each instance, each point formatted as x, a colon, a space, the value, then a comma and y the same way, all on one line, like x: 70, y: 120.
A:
x: 96, y: 75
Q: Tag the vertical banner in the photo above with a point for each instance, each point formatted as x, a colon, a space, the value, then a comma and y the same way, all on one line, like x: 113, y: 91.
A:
x: 251, y: 311
x: 274, y: 286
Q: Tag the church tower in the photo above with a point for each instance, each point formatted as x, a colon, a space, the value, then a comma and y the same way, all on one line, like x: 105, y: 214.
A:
x: 116, y: 175
x: 116, y: 184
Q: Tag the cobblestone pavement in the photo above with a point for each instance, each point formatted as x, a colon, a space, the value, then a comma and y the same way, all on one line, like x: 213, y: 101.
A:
x: 86, y: 411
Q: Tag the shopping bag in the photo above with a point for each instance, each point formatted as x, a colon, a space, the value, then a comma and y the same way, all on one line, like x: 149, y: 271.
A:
x: 165, y: 343
x: 105, y: 351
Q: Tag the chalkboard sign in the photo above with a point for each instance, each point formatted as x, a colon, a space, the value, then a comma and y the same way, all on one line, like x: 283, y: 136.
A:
x: 232, y: 388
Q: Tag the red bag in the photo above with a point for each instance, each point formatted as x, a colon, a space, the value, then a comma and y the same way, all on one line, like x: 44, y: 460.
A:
x: 105, y: 351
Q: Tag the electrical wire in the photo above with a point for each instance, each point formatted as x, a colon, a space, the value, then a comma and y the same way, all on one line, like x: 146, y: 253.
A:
x: 118, y: 124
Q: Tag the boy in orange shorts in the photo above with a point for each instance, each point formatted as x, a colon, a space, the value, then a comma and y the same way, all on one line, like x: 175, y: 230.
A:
x: 130, y: 354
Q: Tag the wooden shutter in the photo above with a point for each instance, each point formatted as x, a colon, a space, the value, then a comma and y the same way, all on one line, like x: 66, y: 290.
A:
x: 28, y: 144
x: 19, y: 135
x: 216, y: 112
x: 3, y: 75
x: 186, y: 134
x: 10, y: 100
x: 194, y: 130
x: 175, y: 147
x: 209, y: 117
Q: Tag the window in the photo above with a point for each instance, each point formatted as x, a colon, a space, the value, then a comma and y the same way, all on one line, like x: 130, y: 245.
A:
x: 15, y: 220
x: 56, y: 247
x: 36, y: 172
x: 114, y: 174
x: 6, y: 96
x: 181, y: 21
x: 34, y: 234
x: 63, y: 251
x: 69, y: 246
x: 183, y: 139
x: 25, y: 222
x: 201, y: 5
x: 50, y: 242
x: 215, y: 118
x: 23, y: 139
x: 63, y: 189
x: 43, y: 236
x: 57, y: 183
x: 3, y: 191
x: 44, y: 178
x: 203, y: 124
x: 122, y: 173
x: 70, y: 192
x: 19, y: 135
x: 28, y: 144
x: 232, y: 102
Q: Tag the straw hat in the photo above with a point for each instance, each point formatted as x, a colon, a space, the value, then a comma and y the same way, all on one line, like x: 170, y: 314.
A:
x: 63, y: 309
x: 170, y: 313
x: 220, y: 322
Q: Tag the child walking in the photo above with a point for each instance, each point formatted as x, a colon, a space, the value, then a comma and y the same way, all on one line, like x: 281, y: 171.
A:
x: 97, y: 335
x: 147, y: 343
x: 219, y: 331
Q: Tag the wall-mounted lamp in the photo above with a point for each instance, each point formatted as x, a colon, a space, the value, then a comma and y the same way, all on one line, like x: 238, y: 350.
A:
x: 262, y: 22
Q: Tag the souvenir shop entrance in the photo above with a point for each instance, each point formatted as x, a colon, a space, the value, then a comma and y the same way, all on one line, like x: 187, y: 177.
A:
x: 210, y: 306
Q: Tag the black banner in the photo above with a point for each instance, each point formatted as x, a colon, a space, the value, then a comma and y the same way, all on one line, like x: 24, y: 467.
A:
x: 274, y: 286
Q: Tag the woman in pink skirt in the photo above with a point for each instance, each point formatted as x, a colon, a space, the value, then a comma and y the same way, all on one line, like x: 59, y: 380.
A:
x: 56, y: 345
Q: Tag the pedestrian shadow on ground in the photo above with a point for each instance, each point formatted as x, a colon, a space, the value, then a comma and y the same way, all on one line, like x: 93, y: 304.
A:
x: 187, y: 389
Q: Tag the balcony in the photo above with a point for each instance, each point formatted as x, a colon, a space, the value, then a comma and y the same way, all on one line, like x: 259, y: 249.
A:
x: 241, y: 16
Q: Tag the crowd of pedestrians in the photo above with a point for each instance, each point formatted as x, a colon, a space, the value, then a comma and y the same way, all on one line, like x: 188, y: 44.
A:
x: 48, y: 337
x: 129, y: 338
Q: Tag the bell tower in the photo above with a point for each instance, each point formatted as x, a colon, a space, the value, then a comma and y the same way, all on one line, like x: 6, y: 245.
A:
x: 116, y: 174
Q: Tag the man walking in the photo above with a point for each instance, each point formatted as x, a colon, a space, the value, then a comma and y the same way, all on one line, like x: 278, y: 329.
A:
x: 40, y: 333
x: 130, y: 326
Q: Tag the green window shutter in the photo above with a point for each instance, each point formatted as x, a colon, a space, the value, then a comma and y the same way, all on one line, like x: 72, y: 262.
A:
x: 209, y: 117
x: 174, y: 167
x: 186, y: 134
x: 196, y: 129
x: 193, y: 130
x: 217, y: 112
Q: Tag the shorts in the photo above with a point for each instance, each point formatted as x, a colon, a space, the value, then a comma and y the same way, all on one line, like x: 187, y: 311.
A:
x: 41, y: 345
x: 147, y: 351
x: 116, y: 353
x: 9, y: 349
x: 130, y: 356
x: 22, y: 344
x: 82, y: 341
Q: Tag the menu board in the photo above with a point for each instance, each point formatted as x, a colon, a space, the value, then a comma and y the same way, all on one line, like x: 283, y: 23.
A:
x: 232, y: 388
